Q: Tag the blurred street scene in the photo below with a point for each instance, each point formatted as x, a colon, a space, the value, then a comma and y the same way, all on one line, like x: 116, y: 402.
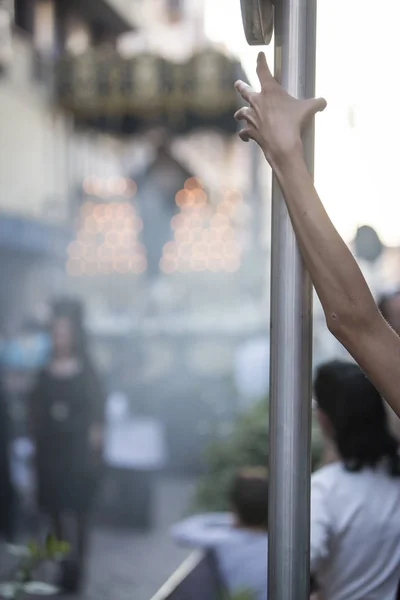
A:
x: 134, y: 260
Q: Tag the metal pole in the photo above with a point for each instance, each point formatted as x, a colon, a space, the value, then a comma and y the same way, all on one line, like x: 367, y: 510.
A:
x: 291, y: 346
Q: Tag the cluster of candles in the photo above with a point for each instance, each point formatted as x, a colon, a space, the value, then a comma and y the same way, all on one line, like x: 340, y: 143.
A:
x: 204, y: 236
x: 107, y: 241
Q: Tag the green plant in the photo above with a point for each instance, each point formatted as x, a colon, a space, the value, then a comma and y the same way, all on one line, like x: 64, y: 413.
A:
x: 20, y: 581
x: 246, y: 446
x: 243, y: 595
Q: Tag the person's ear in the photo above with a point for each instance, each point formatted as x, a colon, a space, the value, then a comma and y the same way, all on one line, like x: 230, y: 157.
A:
x: 324, y: 423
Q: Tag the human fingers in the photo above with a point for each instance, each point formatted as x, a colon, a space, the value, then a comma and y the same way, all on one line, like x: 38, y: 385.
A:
x: 309, y: 108
x: 246, y: 91
x: 249, y: 133
x: 263, y: 70
x: 246, y: 114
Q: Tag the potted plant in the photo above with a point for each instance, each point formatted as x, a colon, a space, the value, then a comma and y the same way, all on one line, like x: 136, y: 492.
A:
x: 20, y: 582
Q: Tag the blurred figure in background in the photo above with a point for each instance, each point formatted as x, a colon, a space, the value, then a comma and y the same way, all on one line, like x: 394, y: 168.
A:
x: 68, y: 414
x: 8, y: 497
x: 239, y: 539
x: 355, y: 518
x: 389, y: 305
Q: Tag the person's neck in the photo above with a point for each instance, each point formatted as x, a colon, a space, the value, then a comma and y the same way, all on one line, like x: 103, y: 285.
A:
x: 252, y: 528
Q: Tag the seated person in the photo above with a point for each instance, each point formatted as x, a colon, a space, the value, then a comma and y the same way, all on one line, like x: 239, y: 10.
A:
x: 239, y: 539
x: 355, y: 517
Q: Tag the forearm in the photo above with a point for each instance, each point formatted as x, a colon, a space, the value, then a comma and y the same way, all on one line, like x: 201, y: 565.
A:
x: 344, y: 294
x: 202, y: 531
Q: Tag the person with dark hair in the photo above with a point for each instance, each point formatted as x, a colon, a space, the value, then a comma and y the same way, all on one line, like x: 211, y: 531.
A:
x: 389, y: 305
x: 355, y: 518
x: 276, y: 122
x: 238, y: 539
x: 68, y: 414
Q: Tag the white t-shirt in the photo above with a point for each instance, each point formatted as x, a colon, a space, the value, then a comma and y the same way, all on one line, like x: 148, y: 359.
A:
x: 355, y: 533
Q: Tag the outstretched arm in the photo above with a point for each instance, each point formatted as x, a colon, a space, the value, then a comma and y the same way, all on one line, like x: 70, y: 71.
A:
x: 275, y: 121
x: 203, y: 531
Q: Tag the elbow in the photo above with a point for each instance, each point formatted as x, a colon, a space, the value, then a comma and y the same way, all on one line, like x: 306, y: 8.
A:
x: 349, y: 325
x: 336, y: 324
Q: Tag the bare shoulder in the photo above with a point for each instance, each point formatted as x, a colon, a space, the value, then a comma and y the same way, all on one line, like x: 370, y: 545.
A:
x: 376, y: 348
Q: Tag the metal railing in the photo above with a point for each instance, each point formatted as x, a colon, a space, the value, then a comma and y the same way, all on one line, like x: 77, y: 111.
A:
x: 195, y: 579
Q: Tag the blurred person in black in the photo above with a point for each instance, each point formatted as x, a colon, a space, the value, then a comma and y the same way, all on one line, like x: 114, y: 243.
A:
x: 68, y: 416
x: 7, y: 493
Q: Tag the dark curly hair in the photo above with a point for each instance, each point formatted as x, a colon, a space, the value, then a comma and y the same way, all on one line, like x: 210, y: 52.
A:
x: 249, y: 497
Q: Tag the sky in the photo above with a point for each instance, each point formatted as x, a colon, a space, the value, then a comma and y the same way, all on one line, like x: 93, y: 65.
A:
x: 358, y: 136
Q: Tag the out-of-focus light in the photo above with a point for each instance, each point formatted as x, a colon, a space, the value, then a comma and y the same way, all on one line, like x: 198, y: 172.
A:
x: 214, y: 235
x: 87, y: 209
x: 89, y: 253
x: 168, y: 265
x: 120, y: 225
x: 105, y: 267
x: 206, y: 236
x: 185, y: 199
x: 92, y: 186
x: 121, y: 253
x: 128, y: 239
x: 197, y: 234
x: 106, y: 226
x: 184, y: 251
x: 137, y: 224
x: 199, y: 198
x: 226, y: 208
x: 215, y: 264
x: 233, y: 196
x: 184, y: 236
x: 199, y: 250
x: 184, y: 266
x: 228, y: 235
x: 179, y: 221
x: 119, y: 211
x: 196, y: 220
x: 193, y: 183
x: 90, y: 268
x: 215, y: 249
x: 122, y: 265
x: 131, y: 188
x: 140, y: 249
x: 109, y: 212
x: 112, y: 238
x: 138, y: 264
x: 91, y: 225
x: 75, y: 250
x: 105, y: 253
x: 219, y: 221
x: 117, y: 186
x: 99, y: 213
x: 199, y: 264
x: 128, y: 209
x: 170, y: 250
